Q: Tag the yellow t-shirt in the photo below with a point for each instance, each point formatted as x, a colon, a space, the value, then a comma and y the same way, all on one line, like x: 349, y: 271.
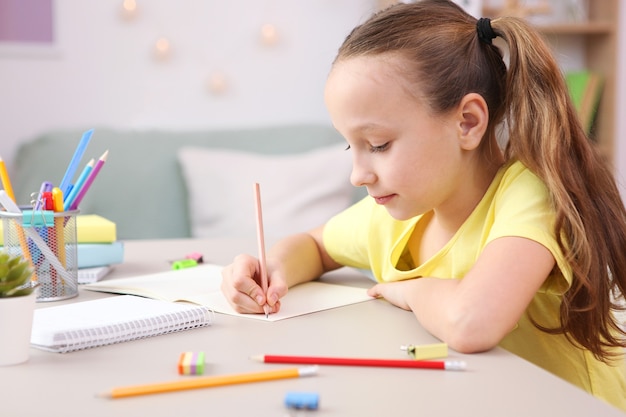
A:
x: 516, y: 204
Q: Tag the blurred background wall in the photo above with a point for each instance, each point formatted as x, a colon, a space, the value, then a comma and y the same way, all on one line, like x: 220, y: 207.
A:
x: 190, y: 65
x: 184, y: 64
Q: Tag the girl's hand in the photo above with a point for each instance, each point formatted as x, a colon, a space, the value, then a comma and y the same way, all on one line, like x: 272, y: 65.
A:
x: 394, y: 292
x: 241, y: 285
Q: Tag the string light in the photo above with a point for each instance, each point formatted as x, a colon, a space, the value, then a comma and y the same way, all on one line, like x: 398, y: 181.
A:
x: 217, y: 83
x: 269, y: 34
x: 129, y: 9
x: 162, y: 49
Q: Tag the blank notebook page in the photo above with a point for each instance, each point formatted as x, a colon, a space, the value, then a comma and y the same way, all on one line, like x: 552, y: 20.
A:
x: 105, y: 321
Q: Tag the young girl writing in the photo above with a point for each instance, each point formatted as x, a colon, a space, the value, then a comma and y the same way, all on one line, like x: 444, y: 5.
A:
x: 521, y: 246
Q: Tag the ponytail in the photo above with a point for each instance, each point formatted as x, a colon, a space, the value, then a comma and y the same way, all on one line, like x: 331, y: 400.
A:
x: 546, y: 135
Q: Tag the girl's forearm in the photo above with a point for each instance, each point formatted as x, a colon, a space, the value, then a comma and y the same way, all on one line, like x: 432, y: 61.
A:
x: 436, y: 305
x: 299, y: 257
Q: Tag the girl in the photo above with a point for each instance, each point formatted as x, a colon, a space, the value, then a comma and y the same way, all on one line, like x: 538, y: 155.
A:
x: 520, y: 247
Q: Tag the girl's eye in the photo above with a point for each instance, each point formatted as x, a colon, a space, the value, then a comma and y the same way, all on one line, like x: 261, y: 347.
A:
x: 379, y: 148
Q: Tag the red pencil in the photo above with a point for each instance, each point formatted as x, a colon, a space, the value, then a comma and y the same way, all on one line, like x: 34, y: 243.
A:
x: 450, y: 365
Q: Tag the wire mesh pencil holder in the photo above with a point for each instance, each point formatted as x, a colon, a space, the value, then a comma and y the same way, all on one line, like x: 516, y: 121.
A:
x: 48, y: 240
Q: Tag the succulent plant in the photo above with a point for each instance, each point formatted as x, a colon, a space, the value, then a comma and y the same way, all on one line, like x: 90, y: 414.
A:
x: 15, y: 273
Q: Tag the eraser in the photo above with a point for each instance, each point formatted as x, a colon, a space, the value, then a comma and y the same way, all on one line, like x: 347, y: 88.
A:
x: 432, y: 351
x: 191, y: 363
x: 196, y: 256
x: 302, y: 400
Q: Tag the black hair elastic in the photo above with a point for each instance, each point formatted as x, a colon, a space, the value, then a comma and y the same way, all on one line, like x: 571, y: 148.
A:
x: 485, y: 31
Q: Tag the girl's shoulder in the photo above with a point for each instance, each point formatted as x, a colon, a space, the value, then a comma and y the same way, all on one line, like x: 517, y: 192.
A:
x: 516, y: 169
x: 518, y: 178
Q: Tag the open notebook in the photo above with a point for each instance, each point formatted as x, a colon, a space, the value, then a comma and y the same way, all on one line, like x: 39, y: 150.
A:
x: 201, y: 285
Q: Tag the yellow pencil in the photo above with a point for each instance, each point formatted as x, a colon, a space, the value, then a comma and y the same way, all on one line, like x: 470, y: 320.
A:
x: 6, y: 182
x: 207, y: 382
x: 8, y: 188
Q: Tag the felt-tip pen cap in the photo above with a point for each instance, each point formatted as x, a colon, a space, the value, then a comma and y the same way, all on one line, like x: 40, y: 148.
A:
x: 184, y: 263
x: 431, y: 351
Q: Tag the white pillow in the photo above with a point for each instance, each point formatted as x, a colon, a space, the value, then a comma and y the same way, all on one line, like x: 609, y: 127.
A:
x: 298, y: 191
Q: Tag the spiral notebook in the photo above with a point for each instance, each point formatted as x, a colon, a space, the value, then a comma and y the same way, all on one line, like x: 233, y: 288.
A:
x: 106, y: 321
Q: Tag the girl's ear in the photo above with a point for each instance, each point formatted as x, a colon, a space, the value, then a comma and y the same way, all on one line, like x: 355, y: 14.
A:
x: 473, y: 117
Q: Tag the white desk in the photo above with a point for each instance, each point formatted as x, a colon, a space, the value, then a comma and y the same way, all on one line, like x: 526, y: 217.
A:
x: 497, y: 383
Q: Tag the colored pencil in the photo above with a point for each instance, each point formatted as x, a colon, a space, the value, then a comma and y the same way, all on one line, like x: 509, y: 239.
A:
x: 6, y: 182
x: 45, y: 187
x: 57, y: 201
x: 10, y: 206
x: 73, y: 165
x: 69, y: 199
x: 451, y: 365
x: 90, y: 179
x: 8, y: 189
x: 208, y: 382
x: 261, y: 243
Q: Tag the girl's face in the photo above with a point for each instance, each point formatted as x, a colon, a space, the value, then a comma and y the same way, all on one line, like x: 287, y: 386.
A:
x: 409, y: 159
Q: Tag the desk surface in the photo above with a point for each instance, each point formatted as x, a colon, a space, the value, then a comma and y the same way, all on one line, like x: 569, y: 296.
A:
x: 497, y: 383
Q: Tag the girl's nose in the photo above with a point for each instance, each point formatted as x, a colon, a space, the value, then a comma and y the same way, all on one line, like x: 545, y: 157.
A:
x: 361, y: 174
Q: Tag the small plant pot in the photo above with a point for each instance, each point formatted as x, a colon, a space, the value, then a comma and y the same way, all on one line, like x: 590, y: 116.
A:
x: 16, y: 322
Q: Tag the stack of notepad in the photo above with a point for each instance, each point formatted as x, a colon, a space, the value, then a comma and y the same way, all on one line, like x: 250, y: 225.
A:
x: 97, y: 247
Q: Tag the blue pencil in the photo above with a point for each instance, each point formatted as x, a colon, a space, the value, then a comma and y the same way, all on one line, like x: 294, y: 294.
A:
x: 78, y: 154
x: 69, y: 200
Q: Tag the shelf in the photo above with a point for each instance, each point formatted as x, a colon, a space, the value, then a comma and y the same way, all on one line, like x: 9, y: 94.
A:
x: 586, y: 28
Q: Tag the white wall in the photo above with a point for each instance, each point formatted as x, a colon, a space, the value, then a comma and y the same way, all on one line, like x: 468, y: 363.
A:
x: 102, y: 71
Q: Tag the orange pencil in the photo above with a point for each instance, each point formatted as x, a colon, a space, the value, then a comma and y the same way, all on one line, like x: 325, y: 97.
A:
x: 207, y: 382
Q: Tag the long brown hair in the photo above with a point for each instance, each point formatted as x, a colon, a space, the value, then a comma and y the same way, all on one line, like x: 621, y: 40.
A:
x: 442, y: 56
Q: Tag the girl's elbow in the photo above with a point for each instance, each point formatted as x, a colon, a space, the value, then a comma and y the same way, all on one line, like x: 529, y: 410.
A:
x: 468, y: 334
x: 463, y: 344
